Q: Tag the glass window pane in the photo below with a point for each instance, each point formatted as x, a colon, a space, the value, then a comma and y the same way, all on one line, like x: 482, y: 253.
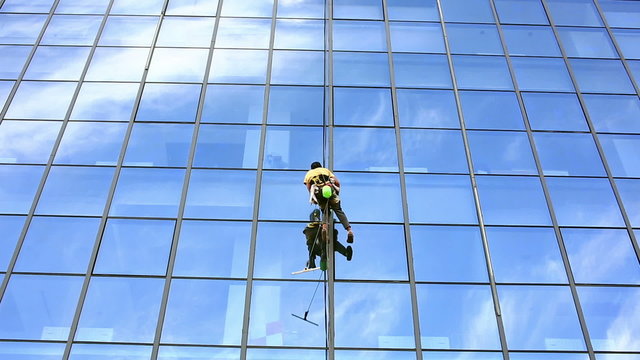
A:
x: 361, y: 69
x: 151, y: 7
x: 620, y: 13
x: 192, y: 7
x: 568, y: 154
x: 118, y: 64
x: 416, y: 37
x: 5, y: 89
x: 601, y: 76
x: 148, y: 193
x: 135, y: 247
x: 513, y: 200
x: 105, y: 101
x: 239, y: 66
x: 39, y: 307
x: 41, y: 100
x: 467, y: 355
x: 541, y: 74
x: 120, y: 310
x: 359, y: 35
x: 223, y: 255
x: 501, y: 152
x: 292, y: 147
x: 457, y: 316
x: 196, y: 352
x: 159, y: 145
x: 31, y: 351
x: 555, y: 112
x: 433, y: 151
x: 629, y: 190
x: 257, y: 8
x: 20, y: 29
x: 58, y: 245
x: 381, y: 256
x: 584, y: 202
x: 298, y: 67
x: 360, y: 106
x: 574, y: 12
x: 611, y: 313
x: 75, y: 191
x: 243, y: 33
x: 169, y: 102
x: 365, y: 149
x: 206, y: 201
x: 233, y: 104
x: 294, y: 206
x: 614, y: 113
x: 474, y: 39
x: 301, y: 9
x: 491, y: 110
x: 189, y: 32
x: 57, y: 63
x: 521, y: 12
x: 540, y: 318
x: 357, y: 9
x: 587, y: 247
x: 417, y: 10
x: 296, y: 105
x: 71, y: 30
x: 299, y: 34
x: 622, y: 154
x: 372, y: 354
x: 525, y: 255
x: 18, y: 185
x: 394, y: 329
x: 427, y: 108
x: 465, y: 11
x: 356, y: 187
x: 227, y: 146
x: 185, y: 65
x: 96, y: 351
x: 482, y: 72
x: 448, y: 253
x: 530, y: 40
x: 90, y: 143
x: 444, y: 199
x: 82, y: 7
x: 129, y: 31
x: 617, y: 356
x: 548, y: 356
x: 418, y: 70
x: 204, y: 312
x: 271, y: 324
x: 590, y: 43
x: 27, y: 141
x: 34, y: 6
x: 634, y: 67
x: 11, y: 228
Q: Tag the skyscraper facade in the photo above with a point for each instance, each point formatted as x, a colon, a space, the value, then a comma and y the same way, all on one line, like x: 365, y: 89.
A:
x: 152, y: 154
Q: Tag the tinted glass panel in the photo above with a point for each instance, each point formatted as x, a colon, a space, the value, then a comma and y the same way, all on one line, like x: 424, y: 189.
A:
x: 247, y: 8
x: 27, y: 141
x: 433, y: 151
x: 10, y: 227
x: 20, y: 29
x: 601, y: 76
x: 5, y: 89
x: 18, y: 185
x: 473, y: 39
x: 427, y: 108
x: 445, y: 199
x: 301, y: 9
x: 589, y: 43
x: 630, y: 193
x: 227, y: 146
x: 355, y: 106
x: 299, y: 34
x: 294, y: 206
x: 365, y: 149
x: 188, y: 353
x: 186, y: 32
x: 239, y: 66
x: 205, y: 200
x: 501, y: 152
x: 57, y: 244
x: 119, y: 64
x: 105, y: 101
x: 464, y: 11
x: 574, y: 12
x: 417, y: 70
x: 129, y: 30
x: 416, y: 37
x: 357, y: 9
x: 89, y: 143
x: 148, y: 192
x: 185, y: 65
x: 34, y: 6
x: 359, y: 35
x: 361, y: 69
x: 482, y: 72
x: 243, y: 33
x: 298, y: 67
x: 169, y: 102
x: 31, y: 351
x: 614, y: 113
x: 41, y: 100
x: 621, y: 13
x: 568, y: 154
x: 413, y: 10
x: 554, y: 112
x: 82, y: 7
x: 530, y: 40
x: 364, y: 354
x: 159, y: 145
x: 292, y: 147
x: 151, y: 7
x: 356, y: 187
x: 521, y: 11
x: 296, y: 105
x: 192, y: 7
x: 538, y: 74
x: 95, y: 351
x: 71, y: 30
x: 491, y: 110
x: 621, y: 152
x: 233, y: 104
x: 56, y: 63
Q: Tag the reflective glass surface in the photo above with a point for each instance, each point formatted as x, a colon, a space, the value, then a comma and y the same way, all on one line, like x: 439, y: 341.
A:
x: 192, y: 7
x: 239, y: 66
x: 159, y: 145
x: 105, y: 101
x: 71, y: 30
x: 148, y: 192
x: 18, y: 185
x: 530, y: 40
x: 361, y: 69
x: 129, y: 31
x: 621, y: 151
x: 30, y: 350
x: 5, y: 89
x: 243, y: 33
x: 292, y: 147
x: 521, y: 11
x: 10, y: 227
x: 227, y: 146
x: 365, y: 149
x: 299, y: 34
x: 135, y: 247
x: 28, y: 142
x: 188, y: 353
x: 542, y: 74
x: 37, y: 307
x: 117, y: 64
x: 474, y: 39
x: 501, y: 152
x: 482, y: 72
x: 464, y: 11
x: 189, y: 32
x: 90, y: 143
x: 614, y: 113
x: 100, y: 351
x: 448, y: 253
x: 357, y: 9
x: 427, y: 108
x: 120, y: 309
x: 457, y: 316
x: 169, y: 102
x: 20, y: 29
x: 491, y: 110
x: 359, y: 35
x: 35, y: 6
x: 354, y: 106
x: 301, y: 9
x: 374, y: 354
x: 275, y: 205
x: 82, y: 7
x: 235, y: 202
x: 630, y: 193
x: 601, y: 76
x: 413, y: 10
x: 257, y: 8
x: 151, y: 7
x: 589, y: 43
x: 445, y: 199
x: 75, y: 191
x: 297, y: 67
x: 547, y: 111
x: 233, y: 104
x: 629, y: 41
x: 621, y: 13
x: 295, y: 105
x: 41, y: 100
x: 416, y: 37
x: 57, y: 63
x: 422, y: 71
x: 568, y: 154
x: 433, y: 151
x: 361, y: 186
x: 184, y: 65
x: 58, y: 245
x: 452, y: 355
x: 574, y: 12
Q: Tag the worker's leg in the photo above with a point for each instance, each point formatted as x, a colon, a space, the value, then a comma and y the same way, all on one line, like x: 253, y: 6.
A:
x: 310, y: 234
x: 334, y: 202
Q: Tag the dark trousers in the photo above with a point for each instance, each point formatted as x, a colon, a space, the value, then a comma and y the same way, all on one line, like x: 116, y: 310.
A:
x: 314, y: 236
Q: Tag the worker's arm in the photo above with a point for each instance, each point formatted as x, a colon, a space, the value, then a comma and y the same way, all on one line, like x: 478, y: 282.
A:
x: 308, y: 186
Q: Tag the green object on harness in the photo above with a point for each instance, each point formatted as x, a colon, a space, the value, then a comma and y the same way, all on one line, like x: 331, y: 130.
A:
x: 326, y: 191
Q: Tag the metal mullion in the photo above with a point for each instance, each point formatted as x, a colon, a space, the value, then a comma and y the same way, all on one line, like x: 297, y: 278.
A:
x: 592, y: 129
x: 474, y: 185
x: 185, y: 188
x: 118, y: 167
x: 403, y: 186
x: 258, y: 188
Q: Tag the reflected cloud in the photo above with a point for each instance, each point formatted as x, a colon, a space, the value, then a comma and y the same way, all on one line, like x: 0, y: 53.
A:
x: 241, y: 66
x: 102, y: 101
x: 178, y: 65
x: 20, y: 29
x: 119, y: 64
x: 129, y: 30
x: 41, y: 100
x: 27, y: 141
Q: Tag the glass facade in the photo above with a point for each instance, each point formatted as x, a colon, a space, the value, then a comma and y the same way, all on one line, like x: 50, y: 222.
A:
x: 485, y: 148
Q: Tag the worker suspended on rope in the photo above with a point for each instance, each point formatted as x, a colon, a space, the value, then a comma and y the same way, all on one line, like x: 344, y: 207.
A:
x: 324, y: 188
x: 317, y: 247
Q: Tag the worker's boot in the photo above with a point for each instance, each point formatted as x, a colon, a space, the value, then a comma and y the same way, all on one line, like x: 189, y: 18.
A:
x: 349, y: 253
x: 349, y: 236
